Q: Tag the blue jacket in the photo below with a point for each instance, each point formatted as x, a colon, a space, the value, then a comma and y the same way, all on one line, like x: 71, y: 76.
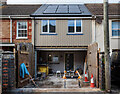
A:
x: 23, y: 70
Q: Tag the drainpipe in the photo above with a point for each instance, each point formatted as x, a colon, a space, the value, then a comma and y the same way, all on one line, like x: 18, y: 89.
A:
x: 10, y: 29
x: 95, y: 30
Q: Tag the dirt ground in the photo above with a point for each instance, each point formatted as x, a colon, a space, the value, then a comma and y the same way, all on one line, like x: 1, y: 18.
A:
x: 55, y: 82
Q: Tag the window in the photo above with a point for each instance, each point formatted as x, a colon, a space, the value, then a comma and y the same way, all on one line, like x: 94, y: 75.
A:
x: 71, y: 26
x: 48, y: 26
x: 53, y: 58
x: 21, y: 29
x: 115, y: 28
x: 74, y: 26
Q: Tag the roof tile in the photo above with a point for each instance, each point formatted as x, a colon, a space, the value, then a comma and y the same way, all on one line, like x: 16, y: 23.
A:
x: 97, y: 9
x: 18, y: 9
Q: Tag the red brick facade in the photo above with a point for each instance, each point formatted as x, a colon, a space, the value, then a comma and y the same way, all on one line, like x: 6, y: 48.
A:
x: 29, y: 33
x: 5, y: 31
x: 8, y: 75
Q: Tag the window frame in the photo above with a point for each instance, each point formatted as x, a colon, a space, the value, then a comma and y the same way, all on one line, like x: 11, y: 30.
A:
x: 114, y: 29
x: 48, y: 29
x: 76, y: 28
x: 22, y: 29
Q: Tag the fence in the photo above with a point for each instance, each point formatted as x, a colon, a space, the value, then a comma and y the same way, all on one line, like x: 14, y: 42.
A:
x: 92, y: 59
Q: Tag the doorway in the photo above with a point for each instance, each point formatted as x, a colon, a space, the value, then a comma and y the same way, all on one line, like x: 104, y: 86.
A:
x: 69, y: 61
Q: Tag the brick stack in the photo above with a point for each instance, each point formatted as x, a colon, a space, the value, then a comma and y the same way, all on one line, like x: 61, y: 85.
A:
x: 8, y: 74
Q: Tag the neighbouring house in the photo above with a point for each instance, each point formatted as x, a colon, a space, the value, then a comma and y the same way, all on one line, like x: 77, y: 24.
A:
x: 16, y: 41
x: 98, y: 25
x: 114, y: 34
x: 114, y: 30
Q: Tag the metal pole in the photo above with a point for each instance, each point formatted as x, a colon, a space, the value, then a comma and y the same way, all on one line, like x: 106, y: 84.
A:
x: 79, y: 83
x: 0, y: 70
x: 35, y: 64
x: 10, y: 29
x: 64, y: 83
x: 106, y: 48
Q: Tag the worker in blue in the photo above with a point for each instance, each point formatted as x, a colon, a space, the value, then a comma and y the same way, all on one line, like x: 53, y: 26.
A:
x: 23, y: 70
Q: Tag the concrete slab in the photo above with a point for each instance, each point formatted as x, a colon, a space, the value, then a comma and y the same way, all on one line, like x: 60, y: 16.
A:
x: 57, y: 90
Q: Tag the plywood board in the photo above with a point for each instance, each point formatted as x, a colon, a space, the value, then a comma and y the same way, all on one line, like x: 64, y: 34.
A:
x: 92, y: 59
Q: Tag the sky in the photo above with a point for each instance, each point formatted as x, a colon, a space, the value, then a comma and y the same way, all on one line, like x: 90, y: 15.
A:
x: 58, y: 1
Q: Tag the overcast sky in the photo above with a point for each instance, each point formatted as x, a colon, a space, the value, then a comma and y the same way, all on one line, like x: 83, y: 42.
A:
x: 57, y: 1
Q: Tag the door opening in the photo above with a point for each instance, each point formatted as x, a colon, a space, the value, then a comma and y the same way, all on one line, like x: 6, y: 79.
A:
x: 69, y: 61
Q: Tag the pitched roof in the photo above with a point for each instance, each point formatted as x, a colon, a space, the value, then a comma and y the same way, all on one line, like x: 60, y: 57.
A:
x: 97, y: 9
x: 62, y: 10
x: 18, y: 9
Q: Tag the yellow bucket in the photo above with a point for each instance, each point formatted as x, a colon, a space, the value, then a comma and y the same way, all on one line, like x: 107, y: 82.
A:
x: 43, y: 69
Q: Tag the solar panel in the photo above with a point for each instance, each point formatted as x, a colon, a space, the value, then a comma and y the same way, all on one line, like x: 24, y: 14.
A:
x: 51, y: 9
x: 62, y: 9
x: 83, y: 9
x: 74, y: 9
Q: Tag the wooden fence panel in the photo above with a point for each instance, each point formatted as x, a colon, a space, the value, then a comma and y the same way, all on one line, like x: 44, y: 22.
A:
x: 92, y: 59
x: 24, y: 55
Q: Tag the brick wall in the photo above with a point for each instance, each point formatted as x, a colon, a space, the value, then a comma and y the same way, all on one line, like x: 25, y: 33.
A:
x: 8, y: 73
x: 5, y: 31
x: 29, y: 40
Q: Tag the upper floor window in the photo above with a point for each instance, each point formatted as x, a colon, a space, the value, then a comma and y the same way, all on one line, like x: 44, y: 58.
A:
x: 48, y: 26
x: 22, y: 29
x: 116, y: 28
x: 74, y: 26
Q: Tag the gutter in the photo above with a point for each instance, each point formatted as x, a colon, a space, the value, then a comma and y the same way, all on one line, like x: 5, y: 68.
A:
x: 7, y: 44
x: 58, y: 49
x: 109, y: 15
x: 63, y: 17
x: 15, y: 16
x: 95, y: 28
